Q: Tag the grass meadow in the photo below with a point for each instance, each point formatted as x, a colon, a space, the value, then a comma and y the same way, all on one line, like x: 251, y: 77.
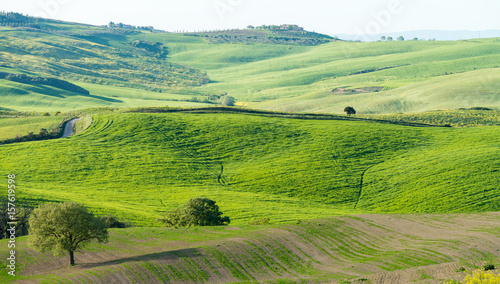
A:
x: 138, y: 166
x: 11, y: 127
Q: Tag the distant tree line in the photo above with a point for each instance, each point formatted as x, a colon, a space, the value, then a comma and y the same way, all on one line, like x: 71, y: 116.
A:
x: 400, y: 38
x: 17, y: 20
x: 285, y: 34
x: 268, y: 39
x: 58, y: 83
x: 126, y: 26
x: 277, y: 27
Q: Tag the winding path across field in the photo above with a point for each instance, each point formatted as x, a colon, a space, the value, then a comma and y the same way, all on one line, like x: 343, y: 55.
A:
x: 68, y: 128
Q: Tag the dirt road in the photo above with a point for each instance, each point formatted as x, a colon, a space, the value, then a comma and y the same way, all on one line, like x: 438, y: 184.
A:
x: 68, y: 129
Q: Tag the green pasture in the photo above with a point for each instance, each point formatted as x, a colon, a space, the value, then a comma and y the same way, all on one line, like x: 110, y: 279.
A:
x: 10, y: 127
x: 455, y: 118
x: 138, y: 166
x: 387, y: 77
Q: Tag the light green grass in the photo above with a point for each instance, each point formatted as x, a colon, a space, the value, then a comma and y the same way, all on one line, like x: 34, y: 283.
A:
x: 138, y: 166
x: 24, y: 97
x: 21, y: 126
x: 415, y: 76
x: 456, y: 118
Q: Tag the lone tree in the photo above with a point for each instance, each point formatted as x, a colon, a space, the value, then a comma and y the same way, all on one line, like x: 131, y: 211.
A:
x: 196, y: 212
x: 227, y: 101
x: 65, y: 227
x: 350, y: 111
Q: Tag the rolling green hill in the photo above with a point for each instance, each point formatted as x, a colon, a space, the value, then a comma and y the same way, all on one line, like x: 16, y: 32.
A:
x: 381, y: 77
x: 10, y: 127
x: 135, y: 159
x: 138, y: 166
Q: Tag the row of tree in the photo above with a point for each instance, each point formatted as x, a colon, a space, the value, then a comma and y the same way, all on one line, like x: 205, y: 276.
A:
x: 399, y: 38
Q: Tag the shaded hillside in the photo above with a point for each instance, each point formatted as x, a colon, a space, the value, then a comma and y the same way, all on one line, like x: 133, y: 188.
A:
x: 91, y: 54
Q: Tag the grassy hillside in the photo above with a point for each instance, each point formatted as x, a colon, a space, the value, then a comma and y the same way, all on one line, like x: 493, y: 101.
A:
x: 286, y: 166
x: 412, y: 76
x: 380, y: 77
x: 137, y: 166
x: 455, y: 118
x: 11, y: 127
x: 350, y: 249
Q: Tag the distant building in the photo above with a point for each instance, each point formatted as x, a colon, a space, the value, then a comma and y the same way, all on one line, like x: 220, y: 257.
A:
x: 291, y: 28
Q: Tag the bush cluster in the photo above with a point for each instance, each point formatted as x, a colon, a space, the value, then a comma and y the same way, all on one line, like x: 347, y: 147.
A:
x: 159, y: 49
x: 196, y: 212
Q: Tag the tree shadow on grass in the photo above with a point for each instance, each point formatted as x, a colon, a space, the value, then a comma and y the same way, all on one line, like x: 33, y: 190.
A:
x: 60, y: 93
x: 167, y: 255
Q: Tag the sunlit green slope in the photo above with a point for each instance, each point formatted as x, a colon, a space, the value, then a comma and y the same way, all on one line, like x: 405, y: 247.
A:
x: 376, y: 77
x: 138, y: 166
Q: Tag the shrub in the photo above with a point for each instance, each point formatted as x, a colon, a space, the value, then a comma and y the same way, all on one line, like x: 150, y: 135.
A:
x: 196, y: 212
x: 489, y: 267
x: 227, y: 101
x: 112, y: 222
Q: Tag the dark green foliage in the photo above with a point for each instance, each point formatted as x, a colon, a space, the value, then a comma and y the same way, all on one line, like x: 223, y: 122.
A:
x: 489, y: 267
x: 477, y: 108
x: 17, y: 20
x: 113, y: 222
x: 23, y: 212
x: 227, y: 101
x: 65, y: 227
x: 159, y: 49
x: 349, y: 111
x: 196, y: 212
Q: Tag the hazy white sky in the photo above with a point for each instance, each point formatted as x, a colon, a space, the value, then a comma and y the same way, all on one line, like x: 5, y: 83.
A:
x: 325, y: 16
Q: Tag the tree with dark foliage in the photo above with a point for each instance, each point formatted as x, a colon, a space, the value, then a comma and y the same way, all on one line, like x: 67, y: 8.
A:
x: 349, y: 111
x: 196, y: 212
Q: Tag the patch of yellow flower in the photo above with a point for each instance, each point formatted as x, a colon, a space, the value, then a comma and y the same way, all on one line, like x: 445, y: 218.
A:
x: 479, y: 277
